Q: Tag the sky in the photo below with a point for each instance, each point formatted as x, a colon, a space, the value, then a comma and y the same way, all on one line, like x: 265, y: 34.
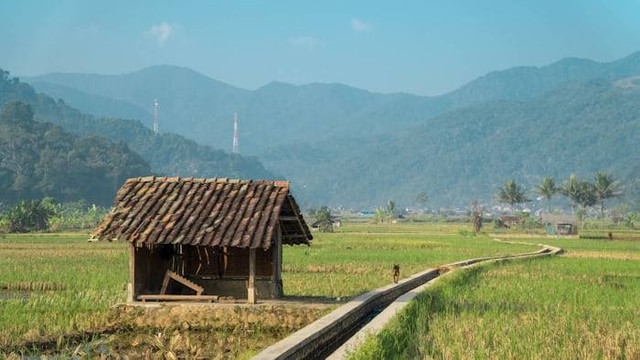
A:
x: 423, y: 47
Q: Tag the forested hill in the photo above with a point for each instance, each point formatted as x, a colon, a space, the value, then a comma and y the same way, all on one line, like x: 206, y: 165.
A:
x: 201, y: 108
x: 466, y: 154
x: 40, y: 159
x: 167, y: 153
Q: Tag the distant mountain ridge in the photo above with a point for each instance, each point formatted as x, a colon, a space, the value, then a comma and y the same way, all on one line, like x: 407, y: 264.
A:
x: 347, y: 146
x: 167, y: 153
x: 97, y: 105
x: 466, y: 154
x: 202, y: 108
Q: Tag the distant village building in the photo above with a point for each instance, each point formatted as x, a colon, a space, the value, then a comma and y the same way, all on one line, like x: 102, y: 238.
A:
x: 555, y: 224
x: 202, y: 239
x: 335, y: 221
x: 508, y: 221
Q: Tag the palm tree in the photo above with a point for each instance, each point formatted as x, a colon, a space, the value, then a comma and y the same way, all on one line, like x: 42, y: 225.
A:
x: 571, y: 189
x: 380, y: 215
x: 587, y: 195
x: 579, y: 192
x: 547, y: 189
x: 605, y: 187
x: 391, y: 208
x: 511, y: 193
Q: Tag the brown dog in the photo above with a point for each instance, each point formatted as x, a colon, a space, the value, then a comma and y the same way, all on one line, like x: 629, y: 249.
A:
x: 396, y: 273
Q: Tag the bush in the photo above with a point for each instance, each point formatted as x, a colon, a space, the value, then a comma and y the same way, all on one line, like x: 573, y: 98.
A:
x: 77, y: 216
x: 31, y: 215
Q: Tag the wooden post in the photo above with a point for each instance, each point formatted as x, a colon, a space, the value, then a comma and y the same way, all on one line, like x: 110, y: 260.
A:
x: 277, y: 263
x: 131, y: 286
x: 251, y: 290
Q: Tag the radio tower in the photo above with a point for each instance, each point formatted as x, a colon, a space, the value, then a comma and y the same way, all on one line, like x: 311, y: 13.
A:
x: 155, y: 116
x: 235, y: 133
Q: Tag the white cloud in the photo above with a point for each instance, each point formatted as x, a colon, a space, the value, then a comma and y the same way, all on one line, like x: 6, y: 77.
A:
x: 305, y: 42
x: 161, y: 32
x: 359, y: 25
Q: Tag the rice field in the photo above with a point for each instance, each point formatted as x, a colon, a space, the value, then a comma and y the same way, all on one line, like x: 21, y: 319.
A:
x: 59, y: 290
x: 582, y: 305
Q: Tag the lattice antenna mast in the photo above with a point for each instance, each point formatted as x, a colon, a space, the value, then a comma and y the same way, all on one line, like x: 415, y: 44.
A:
x: 155, y: 116
x: 234, y: 149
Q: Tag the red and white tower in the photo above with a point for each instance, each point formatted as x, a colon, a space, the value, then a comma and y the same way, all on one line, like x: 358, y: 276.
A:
x: 155, y: 116
x: 234, y: 149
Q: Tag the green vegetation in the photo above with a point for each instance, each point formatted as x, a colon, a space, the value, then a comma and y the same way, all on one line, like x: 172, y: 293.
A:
x: 520, y: 123
x: 40, y: 159
x: 201, y: 108
x: 466, y: 154
x: 524, y: 123
x: 88, y: 278
x: 547, y: 189
x: 166, y: 154
x: 49, y: 215
x: 512, y: 194
x: 605, y: 187
x: 83, y: 280
x: 357, y: 258
x: 28, y: 215
x: 581, y: 305
x: 322, y: 217
x: 57, y: 289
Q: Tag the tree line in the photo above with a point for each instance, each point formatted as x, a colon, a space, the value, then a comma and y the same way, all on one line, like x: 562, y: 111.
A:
x: 40, y: 159
x: 165, y: 153
x: 580, y: 193
x: 49, y: 214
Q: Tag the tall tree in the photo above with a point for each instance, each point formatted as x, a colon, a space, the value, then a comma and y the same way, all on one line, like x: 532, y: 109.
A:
x: 579, y: 192
x: 422, y: 198
x: 547, y: 189
x: 380, y: 215
x: 391, y: 208
x: 476, y: 216
x: 605, y: 187
x: 511, y: 193
x: 323, y: 219
x: 571, y: 189
x: 587, y: 195
x: 40, y: 159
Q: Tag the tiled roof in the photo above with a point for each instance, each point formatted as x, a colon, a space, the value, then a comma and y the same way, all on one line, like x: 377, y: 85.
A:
x: 558, y: 219
x: 205, y: 212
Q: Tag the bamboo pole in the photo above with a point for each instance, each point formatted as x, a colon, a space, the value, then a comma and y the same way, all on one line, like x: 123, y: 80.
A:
x: 251, y: 289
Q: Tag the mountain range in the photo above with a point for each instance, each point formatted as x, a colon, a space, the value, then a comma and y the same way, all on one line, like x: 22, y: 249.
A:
x: 346, y: 146
x: 164, y: 154
x: 201, y: 108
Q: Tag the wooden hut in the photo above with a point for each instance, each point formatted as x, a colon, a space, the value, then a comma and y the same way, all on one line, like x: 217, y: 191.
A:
x: 202, y: 239
x: 509, y: 221
x: 557, y: 224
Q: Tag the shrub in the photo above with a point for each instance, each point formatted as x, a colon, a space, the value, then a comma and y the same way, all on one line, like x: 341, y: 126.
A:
x: 29, y: 215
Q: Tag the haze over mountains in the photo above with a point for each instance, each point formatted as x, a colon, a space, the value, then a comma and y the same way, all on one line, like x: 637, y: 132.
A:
x: 163, y: 154
x: 346, y: 146
x: 202, y: 108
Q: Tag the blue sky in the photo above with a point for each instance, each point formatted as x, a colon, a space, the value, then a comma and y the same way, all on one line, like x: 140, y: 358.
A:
x: 424, y: 47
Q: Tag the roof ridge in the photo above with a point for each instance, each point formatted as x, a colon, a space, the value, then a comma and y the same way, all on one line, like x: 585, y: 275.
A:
x: 278, y: 183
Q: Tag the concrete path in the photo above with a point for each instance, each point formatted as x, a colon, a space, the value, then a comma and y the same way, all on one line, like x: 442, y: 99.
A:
x: 346, y: 328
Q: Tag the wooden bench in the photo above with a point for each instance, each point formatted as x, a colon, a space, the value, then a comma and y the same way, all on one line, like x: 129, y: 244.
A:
x: 207, y: 298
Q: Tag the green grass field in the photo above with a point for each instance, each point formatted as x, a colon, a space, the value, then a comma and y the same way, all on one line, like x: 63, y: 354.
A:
x: 582, y: 305
x: 86, y: 279
x: 59, y: 290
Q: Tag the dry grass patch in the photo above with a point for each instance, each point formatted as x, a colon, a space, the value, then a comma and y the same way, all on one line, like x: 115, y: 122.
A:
x: 602, y: 255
